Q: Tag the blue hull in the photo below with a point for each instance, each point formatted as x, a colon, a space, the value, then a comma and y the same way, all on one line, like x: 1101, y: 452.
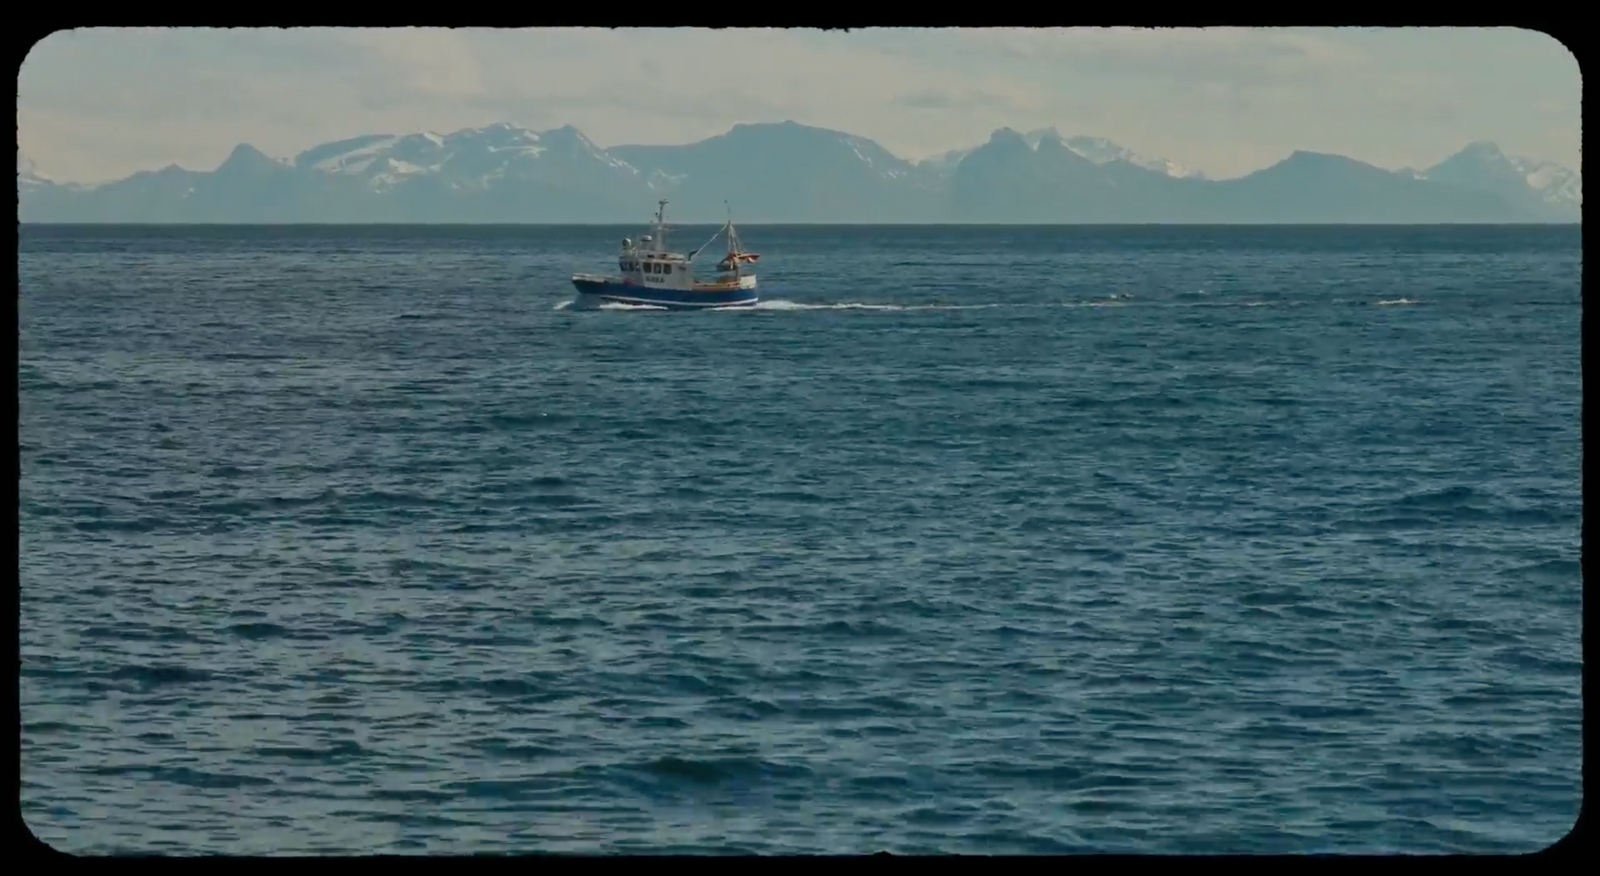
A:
x: 672, y: 299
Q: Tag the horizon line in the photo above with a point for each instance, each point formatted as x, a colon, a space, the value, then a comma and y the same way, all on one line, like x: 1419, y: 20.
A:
x: 632, y: 224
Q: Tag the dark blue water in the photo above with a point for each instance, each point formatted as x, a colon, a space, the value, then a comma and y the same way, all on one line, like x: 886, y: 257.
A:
x: 970, y: 540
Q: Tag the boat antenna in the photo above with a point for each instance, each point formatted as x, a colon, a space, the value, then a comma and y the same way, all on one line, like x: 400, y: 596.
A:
x: 661, y: 226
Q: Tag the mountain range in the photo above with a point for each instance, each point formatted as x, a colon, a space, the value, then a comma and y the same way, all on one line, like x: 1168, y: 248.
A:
x: 788, y: 172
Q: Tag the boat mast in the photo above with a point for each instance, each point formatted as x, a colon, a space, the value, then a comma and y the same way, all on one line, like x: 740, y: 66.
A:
x: 661, y: 225
x: 733, y: 241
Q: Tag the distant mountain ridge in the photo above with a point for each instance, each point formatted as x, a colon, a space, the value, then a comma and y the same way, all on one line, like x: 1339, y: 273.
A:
x: 788, y: 172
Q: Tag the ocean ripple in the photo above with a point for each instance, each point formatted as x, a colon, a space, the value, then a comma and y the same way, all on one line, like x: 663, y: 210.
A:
x: 354, y: 541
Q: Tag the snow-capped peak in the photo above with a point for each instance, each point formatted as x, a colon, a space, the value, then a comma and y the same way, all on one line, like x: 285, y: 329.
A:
x: 1482, y: 163
x: 357, y: 159
x: 28, y: 171
x: 246, y: 158
x: 1554, y: 183
x: 568, y: 132
x: 28, y: 176
x: 1037, y: 136
x: 874, y: 156
x: 1096, y: 149
x: 574, y: 140
x: 470, y: 158
x: 1103, y: 151
x: 945, y: 160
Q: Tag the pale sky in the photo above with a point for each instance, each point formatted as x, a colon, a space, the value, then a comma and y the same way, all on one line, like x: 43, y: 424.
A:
x: 101, y: 103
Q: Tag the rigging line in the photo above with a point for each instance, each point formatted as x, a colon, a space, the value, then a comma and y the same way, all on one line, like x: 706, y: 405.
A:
x: 707, y: 243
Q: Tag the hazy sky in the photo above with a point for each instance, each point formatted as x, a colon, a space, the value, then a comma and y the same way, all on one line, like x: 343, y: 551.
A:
x: 102, y: 103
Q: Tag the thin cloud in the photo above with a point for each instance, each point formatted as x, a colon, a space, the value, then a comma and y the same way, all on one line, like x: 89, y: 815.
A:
x: 954, y: 100
x: 104, y: 102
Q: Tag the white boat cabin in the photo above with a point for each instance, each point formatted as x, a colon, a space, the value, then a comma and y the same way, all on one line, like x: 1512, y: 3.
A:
x: 649, y: 263
x: 645, y: 265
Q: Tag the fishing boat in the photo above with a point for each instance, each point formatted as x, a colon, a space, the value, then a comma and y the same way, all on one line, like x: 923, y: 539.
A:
x: 654, y: 276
